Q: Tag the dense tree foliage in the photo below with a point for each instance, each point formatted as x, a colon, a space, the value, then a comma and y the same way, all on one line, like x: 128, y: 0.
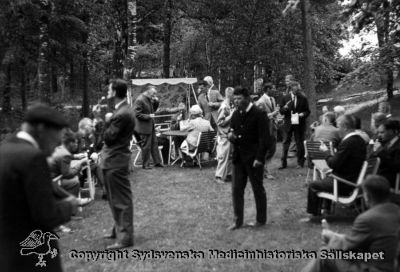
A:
x: 58, y: 50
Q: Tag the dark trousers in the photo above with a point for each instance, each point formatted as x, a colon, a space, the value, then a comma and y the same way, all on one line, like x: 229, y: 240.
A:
x: 298, y: 132
x: 242, y: 171
x: 271, y: 147
x: 149, y: 147
x: 120, y: 199
x: 314, y: 203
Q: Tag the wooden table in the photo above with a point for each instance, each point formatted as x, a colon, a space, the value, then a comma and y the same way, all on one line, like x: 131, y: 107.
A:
x: 170, y: 134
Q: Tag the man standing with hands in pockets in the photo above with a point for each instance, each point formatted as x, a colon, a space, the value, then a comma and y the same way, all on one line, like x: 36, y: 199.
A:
x: 250, y: 138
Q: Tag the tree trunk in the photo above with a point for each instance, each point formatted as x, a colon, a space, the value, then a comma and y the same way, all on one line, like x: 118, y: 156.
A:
x: 167, y: 38
x: 53, y: 77
x: 72, y: 78
x: 7, y: 91
x: 23, y: 86
x: 131, y: 49
x: 309, y: 76
x: 121, y: 38
x: 85, y: 100
x: 43, y: 64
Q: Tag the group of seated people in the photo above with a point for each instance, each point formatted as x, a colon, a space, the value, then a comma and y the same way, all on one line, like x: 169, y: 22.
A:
x: 77, y: 150
x: 353, y: 146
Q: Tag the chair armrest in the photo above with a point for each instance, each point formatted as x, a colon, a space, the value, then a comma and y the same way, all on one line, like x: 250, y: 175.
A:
x: 343, y: 180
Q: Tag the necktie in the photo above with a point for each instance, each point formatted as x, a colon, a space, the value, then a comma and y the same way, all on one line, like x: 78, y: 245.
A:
x: 272, y: 103
x: 295, y: 101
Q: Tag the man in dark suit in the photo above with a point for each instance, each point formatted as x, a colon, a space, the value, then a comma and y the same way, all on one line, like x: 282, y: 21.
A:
x: 294, y: 108
x: 27, y: 201
x: 345, y: 163
x: 144, y: 107
x: 375, y: 231
x: 387, y: 148
x: 250, y: 138
x: 115, y: 164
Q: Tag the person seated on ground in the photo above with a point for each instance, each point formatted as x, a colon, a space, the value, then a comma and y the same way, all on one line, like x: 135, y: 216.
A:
x: 345, y: 163
x: 375, y: 231
x: 387, y: 148
x: 60, y: 163
x: 364, y: 135
x: 327, y: 131
x: 195, y: 125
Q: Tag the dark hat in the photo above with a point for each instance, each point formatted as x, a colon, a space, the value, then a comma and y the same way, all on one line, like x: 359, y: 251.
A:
x: 42, y: 113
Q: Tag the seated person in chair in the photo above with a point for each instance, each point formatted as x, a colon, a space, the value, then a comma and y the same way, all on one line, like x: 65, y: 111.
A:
x: 327, y: 131
x: 60, y: 163
x: 387, y: 148
x: 375, y: 231
x: 345, y: 163
x: 195, y: 125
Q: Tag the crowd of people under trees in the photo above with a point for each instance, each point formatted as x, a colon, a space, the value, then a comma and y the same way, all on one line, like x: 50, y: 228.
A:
x: 247, y: 129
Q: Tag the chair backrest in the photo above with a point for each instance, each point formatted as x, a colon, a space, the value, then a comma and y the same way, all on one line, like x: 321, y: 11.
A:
x: 370, y: 167
x: 373, y: 166
x: 206, y: 141
x: 313, y: 152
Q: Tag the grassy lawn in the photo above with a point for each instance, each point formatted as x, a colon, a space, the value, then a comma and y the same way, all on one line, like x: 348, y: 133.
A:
x: 182, y: 209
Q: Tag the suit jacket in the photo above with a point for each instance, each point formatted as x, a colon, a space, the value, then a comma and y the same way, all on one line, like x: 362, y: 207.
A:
x: 301, y: 107
x: 375, y: 230
x: 267, y: 104
x: 214, y: 96
x: 195, y: 126
x: 60, y: 163
x: 117, y: 137
x: 27, y: 203
x: 251, y: 130
x: 202, y: 101
x: 390, y: 161
x: 327, y: 133
x: 348, y: 160
x: 143, y: 107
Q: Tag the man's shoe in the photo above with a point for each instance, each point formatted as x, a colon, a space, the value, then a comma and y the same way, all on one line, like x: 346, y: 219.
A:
x: 147, y: 167
x: 234, y: 227
x: 63, y: 229
x: 118, y: 245
x: 255, y: 224
x: 219, y: 180
x: 282, y: 167
x: 159, y: 165
x: 269, y: 176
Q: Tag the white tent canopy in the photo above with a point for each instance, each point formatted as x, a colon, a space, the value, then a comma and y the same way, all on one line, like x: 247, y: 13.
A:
x: 170, y: 81
x: 160, y: 81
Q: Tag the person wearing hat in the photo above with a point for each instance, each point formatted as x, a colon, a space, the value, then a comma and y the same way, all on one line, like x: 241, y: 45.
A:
x: 28, y: 202
x: 195, y: 125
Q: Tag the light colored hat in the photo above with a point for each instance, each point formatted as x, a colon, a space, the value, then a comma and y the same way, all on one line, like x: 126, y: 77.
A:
x: 339, y: 109
x: 209, y: 80
x: 195, y: 110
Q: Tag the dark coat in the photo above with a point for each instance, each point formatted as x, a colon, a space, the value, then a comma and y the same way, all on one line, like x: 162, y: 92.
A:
x: 349, y: 158
x: 27, y: 203
x: 117, y: 137
x: 301, y: 107
x: 143, y: 107
x: 390, y: 161
x: 252, y: 133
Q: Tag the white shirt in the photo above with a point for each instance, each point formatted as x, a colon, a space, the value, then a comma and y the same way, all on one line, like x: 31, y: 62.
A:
x: 349, y: 135
x: 27, y: 137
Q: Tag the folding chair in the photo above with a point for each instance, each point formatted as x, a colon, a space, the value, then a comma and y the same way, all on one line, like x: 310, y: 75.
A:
x: 205, y: 143
x: 396, y: 189
x: 312, y: 153
x: 135, y: 148
x: 370, y: 167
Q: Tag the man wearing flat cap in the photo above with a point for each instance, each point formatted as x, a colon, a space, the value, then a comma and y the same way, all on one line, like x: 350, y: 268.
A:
x: 28, y: 205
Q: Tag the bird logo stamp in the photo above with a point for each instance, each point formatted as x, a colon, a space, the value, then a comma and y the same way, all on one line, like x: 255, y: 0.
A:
x: 38, y: 243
